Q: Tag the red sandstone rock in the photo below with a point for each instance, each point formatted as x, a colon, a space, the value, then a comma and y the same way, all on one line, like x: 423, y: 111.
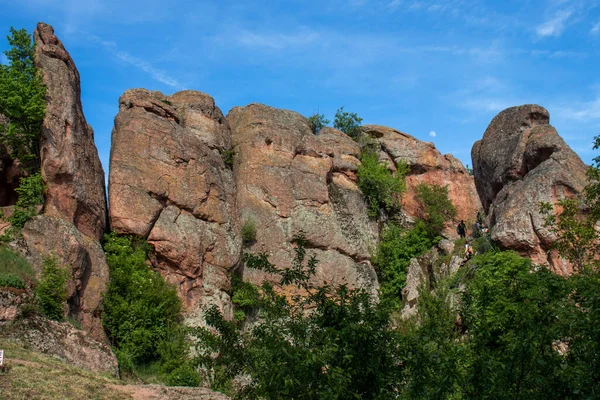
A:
x: 291, y: 181
x: 69, y: 159
x: 168, y: 183
x: 520, y: 162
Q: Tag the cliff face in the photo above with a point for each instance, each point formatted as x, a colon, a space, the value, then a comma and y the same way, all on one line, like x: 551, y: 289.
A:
x: 291, y: 181
x: 169, y: 184
x: 520, y: 162
x: 427, y: 166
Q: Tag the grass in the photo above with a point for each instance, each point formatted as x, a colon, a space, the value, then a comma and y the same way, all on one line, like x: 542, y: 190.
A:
x: 14, y: 269
x: 37, y: 376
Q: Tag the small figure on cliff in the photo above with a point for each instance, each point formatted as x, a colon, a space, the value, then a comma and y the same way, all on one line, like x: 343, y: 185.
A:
x: 468, y: 250
x: 461, y: 229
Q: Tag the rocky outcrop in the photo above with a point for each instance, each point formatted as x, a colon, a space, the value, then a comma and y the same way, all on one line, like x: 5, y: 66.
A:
x: 520, y: 162
x: 69, y: 159
x: 168, y: 183
x: 47, y: 236
x: 427, y: 166
x: 290, y: 181
x: 62, y: 340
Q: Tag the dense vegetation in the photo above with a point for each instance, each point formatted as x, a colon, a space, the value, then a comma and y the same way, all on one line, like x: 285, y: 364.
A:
x: 22, y: 100
x: 142, y: 315
x: 15, y: 271
x: 51, y: 291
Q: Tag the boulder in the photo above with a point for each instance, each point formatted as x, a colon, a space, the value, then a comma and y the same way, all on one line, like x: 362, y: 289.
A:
x: 168, y: 183
x: 64, y: 341
x: 427, y: 166
x: 46, y: 236
x: 520, y: 162
x: 69, y: 159
x: 290, y: 181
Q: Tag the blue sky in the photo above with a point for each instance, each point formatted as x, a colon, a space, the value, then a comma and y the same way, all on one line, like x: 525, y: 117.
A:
x: 437, y: 69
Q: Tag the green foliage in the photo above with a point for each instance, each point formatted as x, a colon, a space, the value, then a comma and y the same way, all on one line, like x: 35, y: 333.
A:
x: 347, y: 122
x: 246, y: 295
x: 248, y: 232
x: 394, y: 252
x: 227, y: 156
x: 342, y: 348
x: 31, y: 195
x: 381, y: 188
x: 436, y: 205
x: 14, y: 269
x: 141, y: 311
x: 22, y: 100
x: 52, y: 289
x: 317, y: 122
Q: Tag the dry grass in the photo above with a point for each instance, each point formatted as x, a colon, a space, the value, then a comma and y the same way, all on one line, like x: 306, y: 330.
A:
x: 37, y: 376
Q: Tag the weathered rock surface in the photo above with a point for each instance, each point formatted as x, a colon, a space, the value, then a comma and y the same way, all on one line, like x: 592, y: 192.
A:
x: 159, y: 392
x: 88, y: 272
x: 534, y: 165
x: 291, y: 181
x: 64, y: 341
x: 168, y: 183
x: 69, y: 159
x: 11, y: 301
x: 427, y: 166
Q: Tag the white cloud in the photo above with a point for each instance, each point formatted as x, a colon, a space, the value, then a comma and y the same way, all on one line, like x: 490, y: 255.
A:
x: 155, y: 73
x: 276, y: 41
x: 432, y: 134
x: 595, y: 31
x: 554, y: 26
x: 584, y: 111
x: 394, y: 3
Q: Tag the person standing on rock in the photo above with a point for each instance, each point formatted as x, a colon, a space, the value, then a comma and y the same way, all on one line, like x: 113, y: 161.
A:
x: 461, y: 229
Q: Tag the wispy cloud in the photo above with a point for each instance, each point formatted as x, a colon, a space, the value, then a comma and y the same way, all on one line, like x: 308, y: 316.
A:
x: 274, y: 40
x: 432, y: 134
x: 555, y: 25
x: 584, y: 111
x: 595, y: 31
x: 139, y: 63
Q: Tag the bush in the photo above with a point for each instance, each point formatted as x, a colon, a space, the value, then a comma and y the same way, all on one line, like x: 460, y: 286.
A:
x: 227, y: 156
x: 183, y: 375
x: 436, y: 205
x: 31, y: 195
x: 381, y: 188
x: 349, y: 123
x: 140, y: 308
x: 52, y: 290
x: 12, y: 281
x: 317, y: 122
x: 248, y: 232
x: 22, y: 100
x: 392, y: 257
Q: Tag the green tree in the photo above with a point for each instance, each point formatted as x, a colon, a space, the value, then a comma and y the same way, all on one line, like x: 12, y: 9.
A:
x: 317, y: 122
x: 347, y: 122
x: 382, y: 188
x: 437, y: 208
x: 22, y: 100
x: 52, y: 289
x: 332, y: 343
x: 31, y: 195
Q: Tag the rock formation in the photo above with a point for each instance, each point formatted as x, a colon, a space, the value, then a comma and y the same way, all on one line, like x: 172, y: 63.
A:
x: 290, y: 181
x: 69, y: 159
x: 47, y: 236
x: 533, y: 165
x: 428, y: 166
x: 169, y: 184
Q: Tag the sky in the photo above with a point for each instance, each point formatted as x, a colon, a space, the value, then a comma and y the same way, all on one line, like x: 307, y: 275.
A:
x: 439, y: 70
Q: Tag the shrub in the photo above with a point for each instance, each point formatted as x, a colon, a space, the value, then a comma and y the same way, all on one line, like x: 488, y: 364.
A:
x: 22, y: 100
x: 184, y: 375
x: 317, y: 122
x: 31, y: 194
x: 52, y: 289
x: 349, y: 123
x: 12, y: 281
x: 227, y: 156
x: 381, y: 188
x: 436, y: 205
x: 392, y: 257
x: 248, y: 232
x: 140, y: 308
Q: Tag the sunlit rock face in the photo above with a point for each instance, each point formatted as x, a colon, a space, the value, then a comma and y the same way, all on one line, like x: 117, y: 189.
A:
x: 520, y: 162
x: 169, y: 184
x: 290, y: 181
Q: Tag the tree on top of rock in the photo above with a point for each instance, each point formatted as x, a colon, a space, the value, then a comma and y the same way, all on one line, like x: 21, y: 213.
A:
x: 22, y: 100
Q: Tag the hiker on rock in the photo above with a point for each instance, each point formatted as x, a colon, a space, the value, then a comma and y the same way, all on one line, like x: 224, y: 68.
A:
x: 461, y: 229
